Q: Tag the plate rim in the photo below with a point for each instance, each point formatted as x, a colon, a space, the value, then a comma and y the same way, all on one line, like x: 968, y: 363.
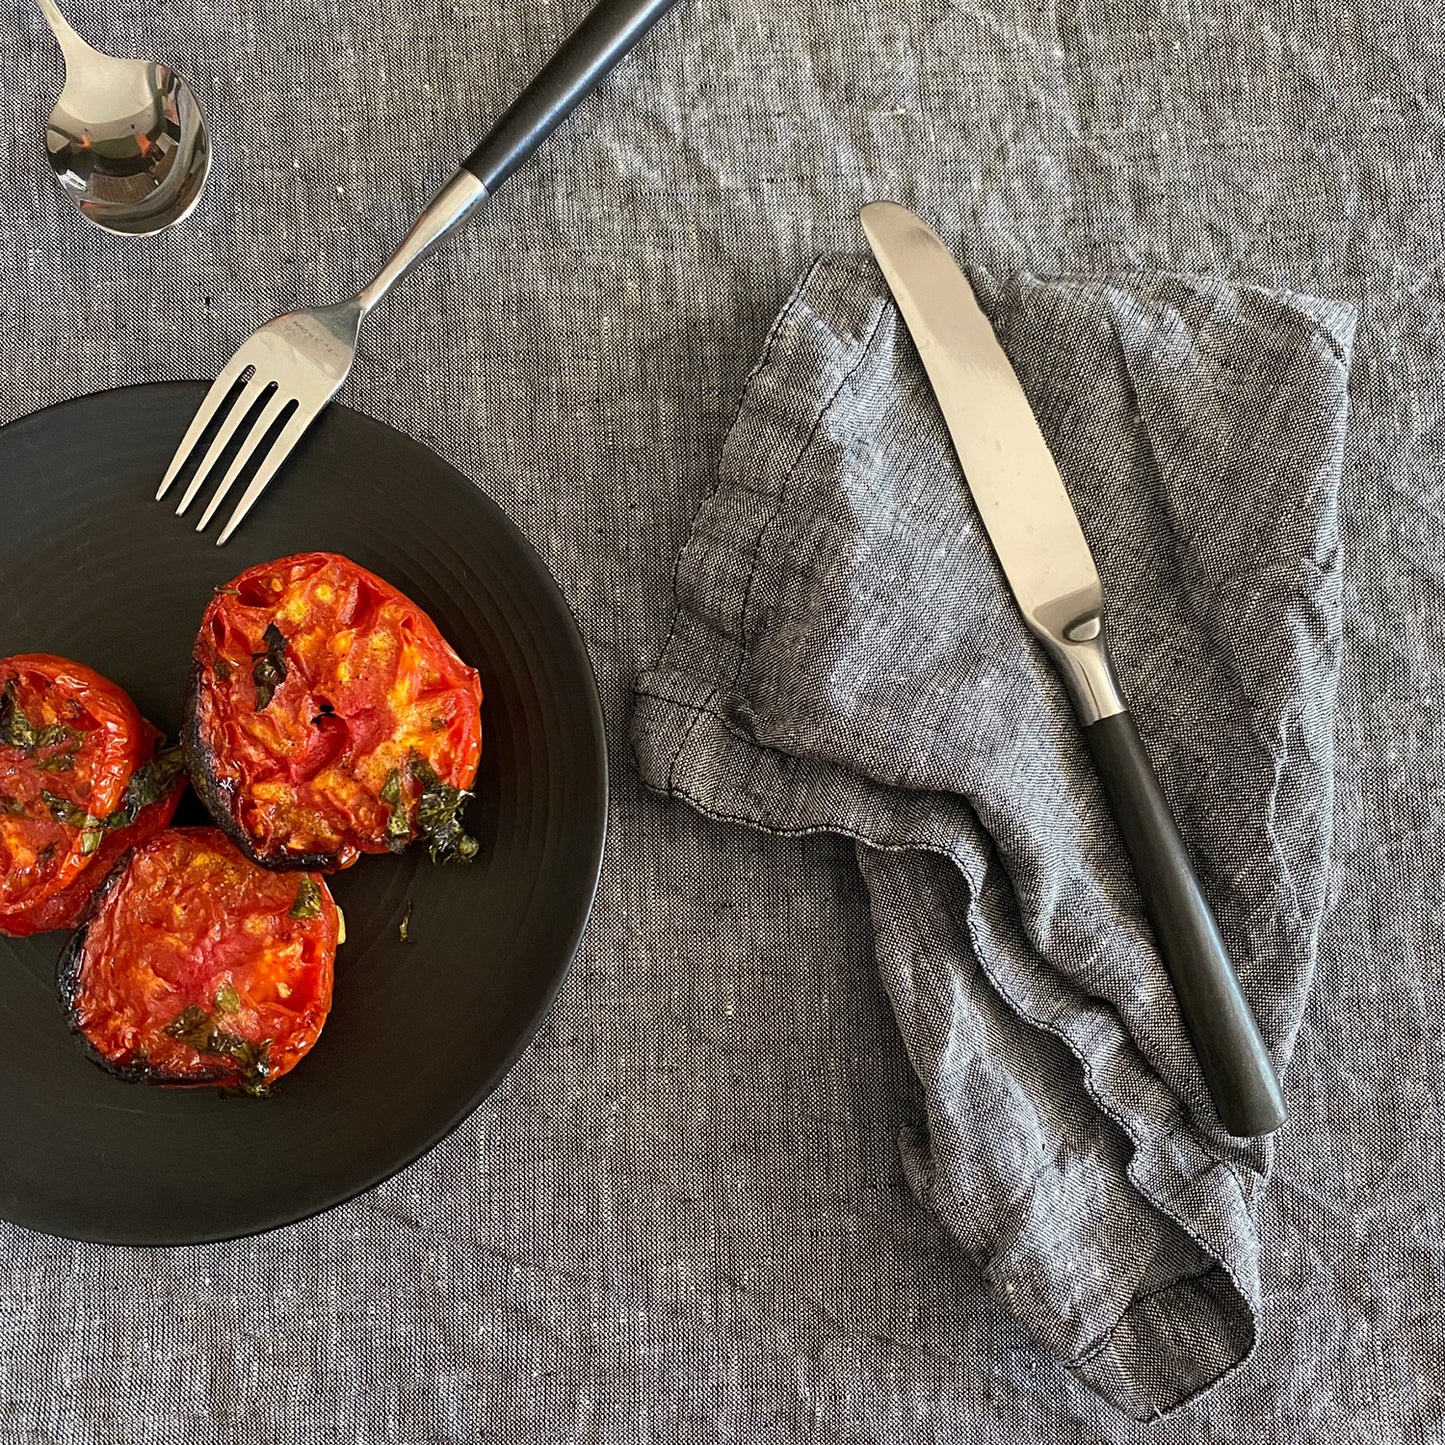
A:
x: 601, y: 797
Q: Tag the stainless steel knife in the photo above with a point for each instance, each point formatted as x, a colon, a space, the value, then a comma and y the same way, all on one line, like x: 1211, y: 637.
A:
x: 1040, y: 545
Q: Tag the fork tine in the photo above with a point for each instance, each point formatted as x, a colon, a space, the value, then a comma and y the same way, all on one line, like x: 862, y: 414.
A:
x: 210, y: 404
x: 270, y: 414
x: 235, y: 419
x: 291, y: 433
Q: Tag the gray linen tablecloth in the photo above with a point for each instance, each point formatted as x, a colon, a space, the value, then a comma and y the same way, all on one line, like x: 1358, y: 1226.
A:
x: 684, y: 1214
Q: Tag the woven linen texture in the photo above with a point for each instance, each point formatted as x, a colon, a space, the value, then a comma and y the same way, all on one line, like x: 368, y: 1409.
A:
x: 684, y: 1215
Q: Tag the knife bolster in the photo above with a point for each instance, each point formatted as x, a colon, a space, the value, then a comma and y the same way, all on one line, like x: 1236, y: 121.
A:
x: 1080, y: 654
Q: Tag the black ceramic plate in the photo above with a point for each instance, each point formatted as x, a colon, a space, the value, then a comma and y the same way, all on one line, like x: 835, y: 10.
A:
x: 92, y: 569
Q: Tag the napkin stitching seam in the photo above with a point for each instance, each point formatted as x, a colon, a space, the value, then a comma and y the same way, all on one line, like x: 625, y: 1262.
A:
x: 698, y: 712
x: 1092, y: 1352
x: 790, y: 309
x: 789, y: 473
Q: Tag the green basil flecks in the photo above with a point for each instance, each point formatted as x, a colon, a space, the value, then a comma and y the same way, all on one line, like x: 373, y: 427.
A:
x: 222, y: 669
x: 308, y: 899
x: 227, y: 1000
x: 16, y: 730
x: 148, y: 784
x: 439, y: 816
x: 92, y: 830
x: 64, y: 811
x: 195, y: 1027
x: 191, y: 1026
x: 398, y: 825
x: 19, y: 732
x: 269, y: 670
x: 12, y: 808
x: 404, y: 931
x: 55, y: 733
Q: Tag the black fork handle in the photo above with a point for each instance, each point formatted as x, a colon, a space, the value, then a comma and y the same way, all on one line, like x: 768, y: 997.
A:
x: 577, y: 69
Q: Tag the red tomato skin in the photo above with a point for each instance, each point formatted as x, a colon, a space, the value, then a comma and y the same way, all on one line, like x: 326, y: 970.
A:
x: 64, y: 910
x: 185, y: 921
x: 40, y: 855
x: 370, y: 684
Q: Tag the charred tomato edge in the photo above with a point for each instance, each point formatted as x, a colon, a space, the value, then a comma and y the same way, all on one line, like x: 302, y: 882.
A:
x: 199, y: 758
x: 68, y: 969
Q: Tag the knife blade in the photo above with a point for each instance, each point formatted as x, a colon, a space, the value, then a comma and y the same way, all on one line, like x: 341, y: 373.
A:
x: 1035, y: 532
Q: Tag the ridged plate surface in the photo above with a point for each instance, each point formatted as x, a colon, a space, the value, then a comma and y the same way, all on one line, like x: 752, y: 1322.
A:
x: 419, y: 1034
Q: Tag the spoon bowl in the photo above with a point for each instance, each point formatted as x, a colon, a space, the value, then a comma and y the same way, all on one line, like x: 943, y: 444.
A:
x: 126, y: 137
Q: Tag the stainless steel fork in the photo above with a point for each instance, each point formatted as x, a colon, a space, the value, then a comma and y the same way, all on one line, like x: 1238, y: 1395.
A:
x: 275, y: 386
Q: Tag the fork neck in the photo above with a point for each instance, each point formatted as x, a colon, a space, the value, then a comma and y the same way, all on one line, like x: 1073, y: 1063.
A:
x: 453, y: 205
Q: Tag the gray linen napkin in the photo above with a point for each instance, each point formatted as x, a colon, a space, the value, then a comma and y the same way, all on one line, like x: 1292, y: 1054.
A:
x: 845, y: 657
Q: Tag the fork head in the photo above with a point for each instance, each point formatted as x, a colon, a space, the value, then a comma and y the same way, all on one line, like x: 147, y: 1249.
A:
x: 259, y: 407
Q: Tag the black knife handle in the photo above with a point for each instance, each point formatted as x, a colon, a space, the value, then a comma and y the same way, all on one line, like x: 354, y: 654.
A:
x: 1232, y: 1057
x: 577, y: 69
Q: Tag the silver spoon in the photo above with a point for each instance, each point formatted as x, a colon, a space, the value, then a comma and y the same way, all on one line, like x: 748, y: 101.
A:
x: 126, y: 137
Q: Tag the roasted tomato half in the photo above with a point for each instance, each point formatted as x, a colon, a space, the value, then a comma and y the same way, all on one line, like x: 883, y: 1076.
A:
x: 147, y: 807
x: 195, y: 966
x: 327, y: 717
x: 70, y: 740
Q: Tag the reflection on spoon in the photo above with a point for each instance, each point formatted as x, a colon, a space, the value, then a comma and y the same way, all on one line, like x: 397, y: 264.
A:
x: 126, y: 137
